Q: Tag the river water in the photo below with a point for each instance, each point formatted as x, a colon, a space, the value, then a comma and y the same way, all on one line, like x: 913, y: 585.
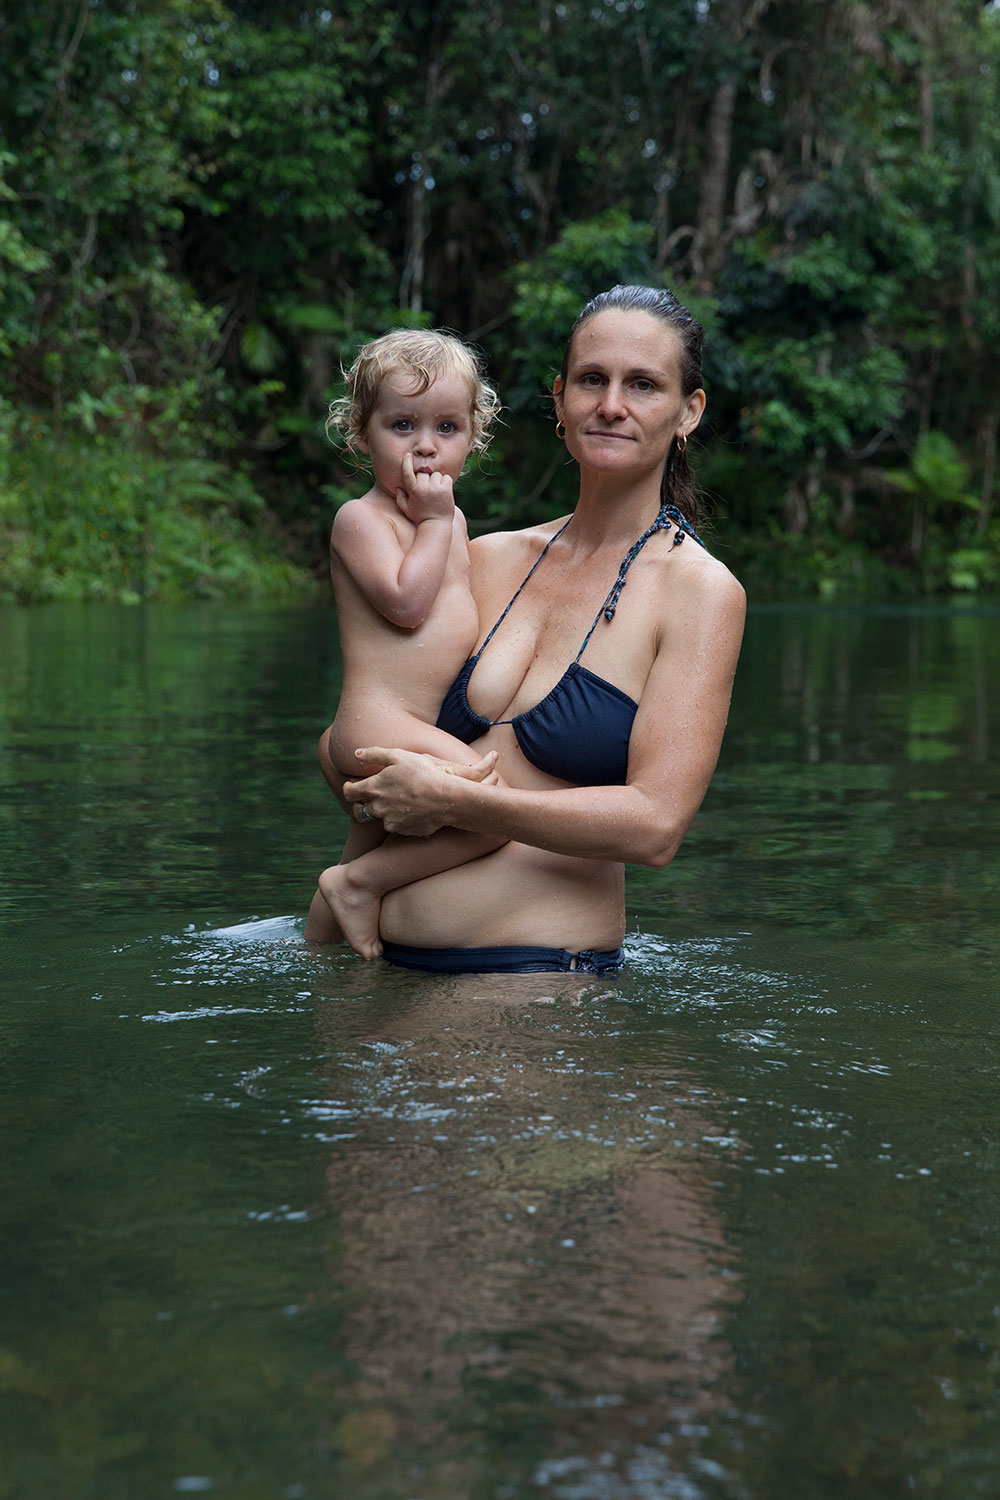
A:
x: 277, y: 1223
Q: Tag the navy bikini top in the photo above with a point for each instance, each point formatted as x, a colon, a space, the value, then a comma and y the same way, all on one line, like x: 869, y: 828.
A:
x: 579, y: 732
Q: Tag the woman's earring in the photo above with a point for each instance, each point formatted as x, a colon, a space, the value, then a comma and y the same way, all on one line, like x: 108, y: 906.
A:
x: 560, y: 435
x: 682, y: 442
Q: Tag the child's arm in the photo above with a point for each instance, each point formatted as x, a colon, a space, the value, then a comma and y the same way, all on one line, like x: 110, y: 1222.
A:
x: 401, y: 586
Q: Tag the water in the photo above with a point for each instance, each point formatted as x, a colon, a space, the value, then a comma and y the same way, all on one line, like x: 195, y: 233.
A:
x: 281, y: 1224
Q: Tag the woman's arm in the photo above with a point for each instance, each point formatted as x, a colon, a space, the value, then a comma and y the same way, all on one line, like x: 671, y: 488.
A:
x: 673, y: 750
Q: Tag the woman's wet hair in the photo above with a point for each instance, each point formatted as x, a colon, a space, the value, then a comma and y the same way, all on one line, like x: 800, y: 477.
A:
x: 678, y: 486
x: 419, y: 355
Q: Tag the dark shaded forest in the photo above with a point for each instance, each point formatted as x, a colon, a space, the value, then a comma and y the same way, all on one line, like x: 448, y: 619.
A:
x: 206, y: 207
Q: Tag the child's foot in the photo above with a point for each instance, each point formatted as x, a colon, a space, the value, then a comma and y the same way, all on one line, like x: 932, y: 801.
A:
x: 321, y: 925
x: 355, y: 909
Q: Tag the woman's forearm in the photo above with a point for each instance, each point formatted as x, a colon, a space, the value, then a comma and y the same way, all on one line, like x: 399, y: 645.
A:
x: 619, y: 823
x: 628, y: 824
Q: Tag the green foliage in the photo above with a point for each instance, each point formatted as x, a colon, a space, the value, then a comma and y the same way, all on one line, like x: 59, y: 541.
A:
x: 936, y: 474
x: 261, y: 348
x: 207, y: 206
x: 118, y: 339
x: 973, y: 570
x: 795, y: 566
x: 814, y: 392
x: 549, y: 291
x: 19, y: 260
x: 78, y: 521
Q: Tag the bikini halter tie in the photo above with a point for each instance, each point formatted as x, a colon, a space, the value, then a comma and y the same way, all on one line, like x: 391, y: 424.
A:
x: 667, y: 517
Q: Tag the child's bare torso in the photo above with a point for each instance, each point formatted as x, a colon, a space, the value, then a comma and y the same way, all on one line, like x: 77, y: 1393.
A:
x: 394, y: 678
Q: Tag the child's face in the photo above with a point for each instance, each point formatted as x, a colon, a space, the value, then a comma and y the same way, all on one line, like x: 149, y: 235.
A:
x: 434, y: 426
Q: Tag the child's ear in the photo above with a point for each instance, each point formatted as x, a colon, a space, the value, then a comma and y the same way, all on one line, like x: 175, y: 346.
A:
x: 361, y: 443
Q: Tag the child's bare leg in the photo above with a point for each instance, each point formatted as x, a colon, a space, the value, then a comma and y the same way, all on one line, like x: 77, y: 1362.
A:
x: 354, y: 891
x: 321, y: 923
x: 414, y: 734
x: 332, y: 774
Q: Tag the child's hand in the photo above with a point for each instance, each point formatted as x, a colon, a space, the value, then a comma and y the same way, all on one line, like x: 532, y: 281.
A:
x: 484, y: 771
x: 426, y: 497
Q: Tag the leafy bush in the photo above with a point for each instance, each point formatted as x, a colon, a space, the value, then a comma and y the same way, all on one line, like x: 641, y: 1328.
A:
x: 79, y: 522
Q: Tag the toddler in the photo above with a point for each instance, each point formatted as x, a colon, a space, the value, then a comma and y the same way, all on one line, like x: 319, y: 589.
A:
x: 417, y: 406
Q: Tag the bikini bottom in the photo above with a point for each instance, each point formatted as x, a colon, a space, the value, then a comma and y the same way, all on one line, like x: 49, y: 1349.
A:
x: 501, y: 960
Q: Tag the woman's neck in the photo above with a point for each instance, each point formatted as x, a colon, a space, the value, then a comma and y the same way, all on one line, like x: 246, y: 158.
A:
x: 613, y: 508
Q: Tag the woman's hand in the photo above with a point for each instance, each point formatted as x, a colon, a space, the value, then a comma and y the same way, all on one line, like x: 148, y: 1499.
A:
x: 410, y: 794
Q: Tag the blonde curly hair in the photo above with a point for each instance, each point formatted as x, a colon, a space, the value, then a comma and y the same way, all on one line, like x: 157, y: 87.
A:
x: 424, y: 354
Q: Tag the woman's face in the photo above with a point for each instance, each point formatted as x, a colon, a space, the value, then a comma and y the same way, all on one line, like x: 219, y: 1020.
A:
x: 621, y: 402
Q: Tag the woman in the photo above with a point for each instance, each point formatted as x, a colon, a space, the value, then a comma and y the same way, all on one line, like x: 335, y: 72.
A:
x: 604, y: 684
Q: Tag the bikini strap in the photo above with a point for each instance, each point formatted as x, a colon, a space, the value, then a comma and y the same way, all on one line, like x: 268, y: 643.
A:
x: 667, y: 518
x: 553, y: 538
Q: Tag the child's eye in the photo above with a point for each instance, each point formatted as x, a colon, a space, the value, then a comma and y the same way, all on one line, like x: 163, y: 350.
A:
x: 403, y: 424
x: 447, y: 427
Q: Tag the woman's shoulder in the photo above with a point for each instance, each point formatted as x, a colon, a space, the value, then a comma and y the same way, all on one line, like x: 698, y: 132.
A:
x: 498, y: 551
x: 713, y: 572
x: 707, y: 587
x: 527, y: 538
x: 701, y: 580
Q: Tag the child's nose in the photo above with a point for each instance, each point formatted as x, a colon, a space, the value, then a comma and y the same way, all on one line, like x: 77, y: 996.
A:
x: 426, y: 440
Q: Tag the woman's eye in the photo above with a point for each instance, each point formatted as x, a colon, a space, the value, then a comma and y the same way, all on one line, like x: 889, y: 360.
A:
x: 644, y: 385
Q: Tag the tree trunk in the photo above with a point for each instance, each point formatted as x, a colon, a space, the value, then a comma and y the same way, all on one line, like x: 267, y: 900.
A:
x: 796, y: 509
x: 709, y: 247
x: 411, y: 283
x: 926, y: 107
x: 989, y: 432
x: 845, y: 520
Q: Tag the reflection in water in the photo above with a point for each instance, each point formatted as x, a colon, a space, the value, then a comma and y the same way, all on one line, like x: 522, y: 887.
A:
x: 529, y: 1256
x: 857, y: 792
x: 209, y: 1198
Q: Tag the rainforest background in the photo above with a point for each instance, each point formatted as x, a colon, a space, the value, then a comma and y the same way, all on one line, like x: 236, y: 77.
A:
x: 205, y: 207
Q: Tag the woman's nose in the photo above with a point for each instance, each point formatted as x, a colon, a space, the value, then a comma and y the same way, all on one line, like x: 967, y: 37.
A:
x: 613, y: 399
